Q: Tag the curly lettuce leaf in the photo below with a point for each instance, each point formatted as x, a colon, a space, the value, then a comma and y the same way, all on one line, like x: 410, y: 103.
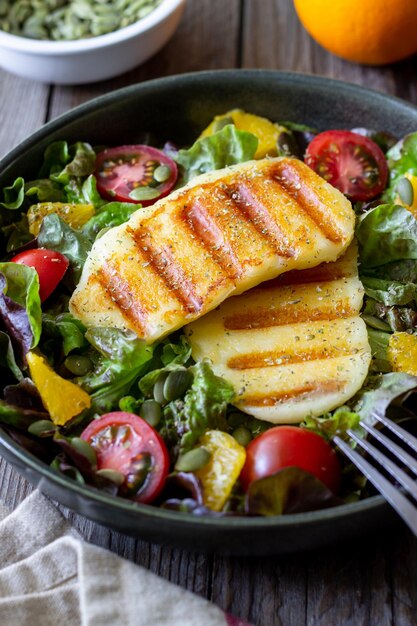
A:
x: 20, y: 305
x: 111, y: 214
x: 332, y: 424
x: 203, y: 408
x: 385, y: 234
x: 402, y: 159
x: 390, y: 292
x: 84, y: 191
x: 387, y: 389
x: 228, y: 146
x: 64, y: 331
x: 292, y: 490
x: 14, y: 195
x: 63, y: 161
x: 119, y: 358
x: 57, y: 235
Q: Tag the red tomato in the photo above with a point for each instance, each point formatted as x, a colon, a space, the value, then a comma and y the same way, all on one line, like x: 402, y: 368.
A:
x: 126, y: 443
x: 135, y: 169
x: 352, y: 163
x: 291, y: 446
x: 50, y: 266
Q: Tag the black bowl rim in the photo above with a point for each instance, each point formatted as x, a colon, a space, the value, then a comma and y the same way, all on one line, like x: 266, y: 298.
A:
x: 376, y: 504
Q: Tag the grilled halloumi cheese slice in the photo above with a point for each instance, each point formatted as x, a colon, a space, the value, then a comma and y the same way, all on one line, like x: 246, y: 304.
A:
x: 292, y: 347
x: 220, y: 235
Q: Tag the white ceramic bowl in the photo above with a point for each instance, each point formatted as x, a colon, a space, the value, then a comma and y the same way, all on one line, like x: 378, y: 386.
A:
x: 90, y: 60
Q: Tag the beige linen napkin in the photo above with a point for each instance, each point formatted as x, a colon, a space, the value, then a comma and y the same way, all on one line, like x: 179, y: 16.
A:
x: 49, y: 575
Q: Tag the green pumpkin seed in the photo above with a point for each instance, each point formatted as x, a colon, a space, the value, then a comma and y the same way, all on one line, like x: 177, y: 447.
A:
x: 158, y: 389
x: 177, y: 383
x: 151, y: 412
x: 193, y: 460
x: 236, y: 419
x: 70, y: 19
x: 375, y: 322
x: 405, y: 191
x: 84, y: 448
x: 113, y: 475
x: 162, y: 173
x: 242, y: 435
x: 144, y: 193
x: 78, y: 364
x: 42, y: 428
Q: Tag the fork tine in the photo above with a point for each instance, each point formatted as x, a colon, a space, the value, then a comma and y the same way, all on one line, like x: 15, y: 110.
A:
x: 402, y: 454
x: 408, y: 438
x: 398, y: 500
x: 395, y: 471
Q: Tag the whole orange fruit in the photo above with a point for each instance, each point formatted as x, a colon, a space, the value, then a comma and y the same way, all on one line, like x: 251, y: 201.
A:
x: 373, y: 32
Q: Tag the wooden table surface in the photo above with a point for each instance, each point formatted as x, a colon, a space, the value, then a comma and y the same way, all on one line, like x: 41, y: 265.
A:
x: 371, y: 582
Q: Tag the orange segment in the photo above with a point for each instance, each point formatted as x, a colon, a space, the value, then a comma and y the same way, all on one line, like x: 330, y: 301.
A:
x: 76, y: 215
x: 402, y: 353
x: 266, y: 131
x: 222, y: 471
x: 61, y: 398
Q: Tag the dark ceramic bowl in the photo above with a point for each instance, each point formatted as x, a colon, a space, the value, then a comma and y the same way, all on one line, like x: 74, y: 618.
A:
x: 178, y: 108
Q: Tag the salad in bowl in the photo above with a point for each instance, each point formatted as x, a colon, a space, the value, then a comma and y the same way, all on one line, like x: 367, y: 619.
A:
x: 181, y: 413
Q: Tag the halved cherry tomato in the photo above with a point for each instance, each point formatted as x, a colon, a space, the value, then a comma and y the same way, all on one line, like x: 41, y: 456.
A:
x: 49, y: 264
x: 291, y: 446
x: 138, y: 174
x: 126, y: 443
x: 352, y: 163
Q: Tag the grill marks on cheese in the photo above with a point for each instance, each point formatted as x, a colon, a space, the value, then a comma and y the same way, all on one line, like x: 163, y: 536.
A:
x: 222, y: 234
x: 293, y: 346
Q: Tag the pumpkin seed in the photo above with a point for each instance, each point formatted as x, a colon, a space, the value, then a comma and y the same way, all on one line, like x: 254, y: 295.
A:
x: 375, y: 322
x: 193, y: 460
x: 113, y: 475
x: 42, y: 428
x: 78, y: 364
x: 144, y: 193
x: 158, y: 389
x: 84, y: 448
x: 242, y: 435
x: 177, y: 383
x: 70, y: 19
x: 162, y: 173
x: 151, y: 412
x: 405, y: 191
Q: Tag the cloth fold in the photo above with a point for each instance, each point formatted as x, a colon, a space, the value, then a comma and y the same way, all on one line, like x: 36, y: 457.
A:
x: 49, y: 575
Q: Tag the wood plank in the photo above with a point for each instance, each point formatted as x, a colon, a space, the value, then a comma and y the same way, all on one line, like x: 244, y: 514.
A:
x: 207, y: 38
x: 350, y: 585
x: 264, y: 591
x: 23, y: 108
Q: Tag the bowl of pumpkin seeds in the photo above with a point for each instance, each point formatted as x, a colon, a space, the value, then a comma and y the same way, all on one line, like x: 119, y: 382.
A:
x: 82, y: 41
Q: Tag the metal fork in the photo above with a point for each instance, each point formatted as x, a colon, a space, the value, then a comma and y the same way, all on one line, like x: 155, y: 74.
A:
x: 403, y: 500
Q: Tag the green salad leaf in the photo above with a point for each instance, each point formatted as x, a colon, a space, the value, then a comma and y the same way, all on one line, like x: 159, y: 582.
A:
x: 332, y: 424
x: 23, y: 289
x: 402, y: 159
x: 119, y: 358
x: 111, y: 214
x: 14, y: 195
x: 57, y: 235
x: 292, y: 490
x: 228, y: 146
x: 385, y: 234
x: 390, y: 292
x: 386, y: 389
